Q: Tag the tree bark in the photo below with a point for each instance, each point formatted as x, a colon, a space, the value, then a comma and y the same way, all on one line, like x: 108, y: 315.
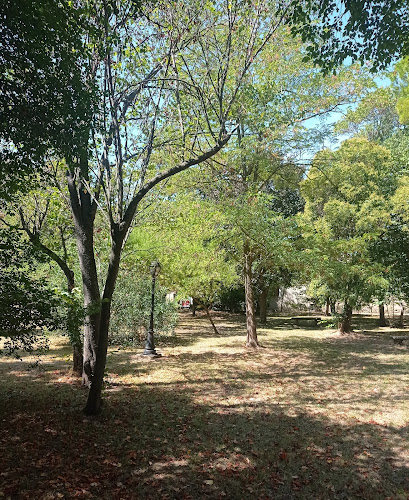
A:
x: 402, y: 310
x: 263, y: 306
x: 93, y: 405
x: 211, y: 320
x: 77, y: 346
x: 344, y: 325
x: 327, y: 306
x: 194, y: 302
x: 252, y: 340
x: 77, y: 360
x: 83, y: 211
x: 332, y: 306
x: 382, y: 320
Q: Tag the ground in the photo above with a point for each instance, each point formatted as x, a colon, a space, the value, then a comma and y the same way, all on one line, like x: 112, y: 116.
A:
x: 311, y: 415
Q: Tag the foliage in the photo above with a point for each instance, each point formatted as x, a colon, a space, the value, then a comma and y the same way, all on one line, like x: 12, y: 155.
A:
x: 364, y: 30
x: 347, y: 208
x: 186, y: 236
x: 131, y: 308
x: 375, y: 117
x: 230, y: 299
x: 72, y: 314
x: 28, y: 307
x: 46, y: 99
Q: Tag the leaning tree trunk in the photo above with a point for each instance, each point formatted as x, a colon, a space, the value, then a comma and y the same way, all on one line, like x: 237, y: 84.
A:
x: 344, y: 325
x: 382, y: 320
x: 77, y: 357
x: 211, y: 320
x: 263, y: 305
x: 252, y: 340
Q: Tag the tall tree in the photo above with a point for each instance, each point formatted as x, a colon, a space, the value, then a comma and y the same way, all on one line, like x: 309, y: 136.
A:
x: 169, y: 78
x: 347, y: 207
x: 262, y: 159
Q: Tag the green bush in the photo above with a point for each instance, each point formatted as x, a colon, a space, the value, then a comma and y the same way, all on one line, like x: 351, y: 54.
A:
x: 131, y: 307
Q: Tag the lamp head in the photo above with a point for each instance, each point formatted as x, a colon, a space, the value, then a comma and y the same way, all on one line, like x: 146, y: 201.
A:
x: 155, y: 268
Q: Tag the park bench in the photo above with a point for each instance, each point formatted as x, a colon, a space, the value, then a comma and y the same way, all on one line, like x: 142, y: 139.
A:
x: 398, y: 339
x: 306, y: 318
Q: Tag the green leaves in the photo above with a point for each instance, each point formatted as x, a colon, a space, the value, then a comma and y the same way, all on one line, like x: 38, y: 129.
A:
x: 348, y: 208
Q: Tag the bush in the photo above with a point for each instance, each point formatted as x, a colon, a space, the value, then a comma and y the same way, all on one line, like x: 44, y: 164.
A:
x: 131, y: 308
x: 231, y: 299
x: 27, y: 305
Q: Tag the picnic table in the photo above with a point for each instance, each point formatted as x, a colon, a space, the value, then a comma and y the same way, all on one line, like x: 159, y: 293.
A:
x: 314, y: 319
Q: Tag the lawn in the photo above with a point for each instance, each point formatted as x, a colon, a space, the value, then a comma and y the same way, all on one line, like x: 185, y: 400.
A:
x: 310, y: 415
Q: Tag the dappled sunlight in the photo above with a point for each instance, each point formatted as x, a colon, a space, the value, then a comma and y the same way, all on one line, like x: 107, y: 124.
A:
x: 308, y: 415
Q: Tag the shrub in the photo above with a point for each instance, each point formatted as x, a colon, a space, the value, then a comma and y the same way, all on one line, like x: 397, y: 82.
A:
x: 131, y: 308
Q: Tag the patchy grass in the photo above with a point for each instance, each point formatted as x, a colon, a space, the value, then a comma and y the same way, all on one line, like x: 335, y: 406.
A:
x: 311, y: 415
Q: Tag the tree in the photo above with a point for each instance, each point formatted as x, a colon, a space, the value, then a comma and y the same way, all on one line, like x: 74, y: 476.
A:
x: 185, y: 235
x: 169, y: 80
x: 344, y: 30
x: 261, y: 159
x: 42, y: 215
x: 26, y: 302
x: 346, y: 210
x: 45, y: 100
x: 375, y: 118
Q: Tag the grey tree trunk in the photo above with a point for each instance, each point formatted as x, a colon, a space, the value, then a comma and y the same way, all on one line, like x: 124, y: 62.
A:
x: 93, y: 405
x: 402, y: 310
x: 382, y: 320
x: 344, y: 325
x: 252, y: 340
x: 327, y: 307
x: 77, y: 347
x: 77, y: 357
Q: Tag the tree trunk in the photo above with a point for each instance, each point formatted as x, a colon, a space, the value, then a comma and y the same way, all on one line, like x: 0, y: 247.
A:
x: 344, y: 325
x: 382, y: 320
x: 83, y: 211
x: 75, y: 337
x: 211, y: 320
x: 92, y: 304
x: 252, y: 340
x: 402, y: 310
x: 332, y: 306
x: 77, y: 360
x: 263, y: 306
x: 193, y: 306
x: 93, y: 406
x: 327, y: 306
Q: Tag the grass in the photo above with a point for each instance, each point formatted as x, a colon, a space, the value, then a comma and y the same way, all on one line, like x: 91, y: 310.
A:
x: 311, y: 415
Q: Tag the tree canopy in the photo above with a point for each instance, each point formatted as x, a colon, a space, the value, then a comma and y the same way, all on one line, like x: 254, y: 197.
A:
x: 364, y: 30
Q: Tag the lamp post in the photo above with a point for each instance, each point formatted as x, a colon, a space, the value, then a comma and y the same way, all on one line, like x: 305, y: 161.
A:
x: 150, y: 344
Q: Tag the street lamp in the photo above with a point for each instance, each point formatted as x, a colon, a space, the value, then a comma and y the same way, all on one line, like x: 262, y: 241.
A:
x: 150, y: 345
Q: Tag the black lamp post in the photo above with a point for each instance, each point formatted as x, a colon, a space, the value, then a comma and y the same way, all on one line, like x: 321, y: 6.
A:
x: 150, y: 344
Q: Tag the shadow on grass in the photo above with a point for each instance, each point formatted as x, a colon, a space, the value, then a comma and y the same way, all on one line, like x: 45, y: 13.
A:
x: 155, y: 443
